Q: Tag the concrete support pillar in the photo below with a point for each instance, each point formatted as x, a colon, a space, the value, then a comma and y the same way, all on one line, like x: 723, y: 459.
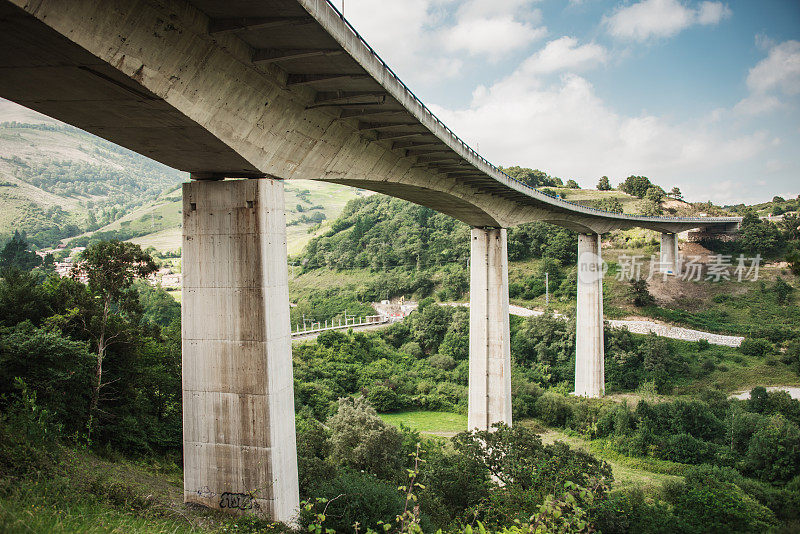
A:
x: 669, y: 253
x: 589, y: 354
x: 489, y: 330
x: 238, y: 405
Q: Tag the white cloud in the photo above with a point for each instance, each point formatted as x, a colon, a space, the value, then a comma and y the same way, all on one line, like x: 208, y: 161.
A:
x: 778, y: 73
x: 428, y: 41
x: 565, y: 54
x: 493, y: 37
x: 780, y: 70
x: 661, y: 18
x: 493, y: 28
x: 567, y: 130
x: 401, y: 32
x: 757, y: 105
x: 711, y: 13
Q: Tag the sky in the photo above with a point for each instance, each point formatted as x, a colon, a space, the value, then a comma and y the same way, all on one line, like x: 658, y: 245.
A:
x: 703, y: 95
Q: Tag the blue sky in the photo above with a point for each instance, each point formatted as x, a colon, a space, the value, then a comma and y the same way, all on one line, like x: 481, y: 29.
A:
x: 703, y: 95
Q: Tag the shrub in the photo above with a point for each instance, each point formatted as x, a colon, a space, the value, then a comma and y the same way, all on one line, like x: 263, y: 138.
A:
x: 356, y: 497
x: 553, y: 409
x: 361, y: 440
x: 442, y: 361
x: 412, y: 348
x: 710, y: 505
x: 384, y: 399
x: 773, y: 454
x: 755, y: 347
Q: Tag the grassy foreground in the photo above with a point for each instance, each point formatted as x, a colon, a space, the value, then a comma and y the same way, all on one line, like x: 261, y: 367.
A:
x: 84, y: 493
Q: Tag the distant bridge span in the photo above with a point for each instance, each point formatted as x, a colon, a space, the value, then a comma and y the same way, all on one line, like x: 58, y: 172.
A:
x: 283, y: 89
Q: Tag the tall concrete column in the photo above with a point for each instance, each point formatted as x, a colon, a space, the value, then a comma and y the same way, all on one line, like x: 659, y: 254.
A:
x: 669, y: 253
x: 590, y: 351
x: 489, y: 330
x: 238, y: 404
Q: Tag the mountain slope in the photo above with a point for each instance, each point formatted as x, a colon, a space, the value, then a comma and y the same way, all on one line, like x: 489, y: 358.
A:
x: 56, y: 180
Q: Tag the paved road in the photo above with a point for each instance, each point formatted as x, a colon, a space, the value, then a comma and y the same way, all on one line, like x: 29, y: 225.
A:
x: 641, y: 327
x: 635, y: 326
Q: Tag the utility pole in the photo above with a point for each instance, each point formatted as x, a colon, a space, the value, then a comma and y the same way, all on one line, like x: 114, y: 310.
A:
x: 547, y: 289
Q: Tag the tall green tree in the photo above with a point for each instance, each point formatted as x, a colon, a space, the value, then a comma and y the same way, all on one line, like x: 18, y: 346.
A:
x: 636, y: 185
x: 604, y: 184
x: 110, y: 268
x: 16, y: 254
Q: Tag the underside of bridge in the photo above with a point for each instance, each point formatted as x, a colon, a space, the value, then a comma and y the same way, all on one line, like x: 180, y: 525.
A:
x: 275, y: 90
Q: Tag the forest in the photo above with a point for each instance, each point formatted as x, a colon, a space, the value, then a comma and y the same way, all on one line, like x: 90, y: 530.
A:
x: 733, y: 466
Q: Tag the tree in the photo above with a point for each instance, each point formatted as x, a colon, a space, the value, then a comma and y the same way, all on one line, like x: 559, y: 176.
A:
x: 604, y: 184
x: 532, y: 177
x: 110, y: 268
x: 611, y: 204
x: 676, y: 193
x: 640, y: 293
x: 760, y: 237
x: 651, y: 208
x: 361, y: 440
x: 16, y: 254
x: 572, y: 184
x: 773, y: 454
x: 636, y: 185
x: 782, y: 291
x: 655, y: 194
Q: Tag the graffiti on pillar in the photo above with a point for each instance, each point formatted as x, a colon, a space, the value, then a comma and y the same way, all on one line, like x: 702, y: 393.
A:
x: 238, y: 501
x: 205, y: 493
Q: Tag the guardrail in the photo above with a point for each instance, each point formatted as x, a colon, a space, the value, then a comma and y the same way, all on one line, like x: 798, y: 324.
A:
x: 319, y: 326
x: 474, y: 153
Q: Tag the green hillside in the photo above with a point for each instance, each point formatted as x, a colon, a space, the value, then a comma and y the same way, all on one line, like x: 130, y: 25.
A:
x: 310, y: 208
x: 57, y: 181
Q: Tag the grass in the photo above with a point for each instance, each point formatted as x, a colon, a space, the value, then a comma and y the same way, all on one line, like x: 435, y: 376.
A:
x: 88, y: 494
x: 435, y: 423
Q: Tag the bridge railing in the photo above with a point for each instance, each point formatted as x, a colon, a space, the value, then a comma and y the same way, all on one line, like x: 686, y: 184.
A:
x: 319, y: 326
x: 473, y: 152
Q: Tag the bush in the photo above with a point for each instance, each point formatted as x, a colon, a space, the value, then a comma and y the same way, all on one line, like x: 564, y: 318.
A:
x: 710, y: 505
x: 356, y: 497
x: 755, y: 347
x: 687, y: 449
x: 384, y: 399
x: 361, y: 440
x: 773, y: 454
x: 553, y: 409
x: 442, y: 361
x: 412, y: 348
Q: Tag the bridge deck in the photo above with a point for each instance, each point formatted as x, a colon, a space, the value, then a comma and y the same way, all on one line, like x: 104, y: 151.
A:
x: 318, y: 60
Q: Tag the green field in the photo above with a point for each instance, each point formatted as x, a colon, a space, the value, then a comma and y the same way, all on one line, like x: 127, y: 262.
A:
x: 435, y: 423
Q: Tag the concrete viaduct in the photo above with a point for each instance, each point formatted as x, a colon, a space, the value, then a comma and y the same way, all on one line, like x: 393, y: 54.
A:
x: 272, y: 90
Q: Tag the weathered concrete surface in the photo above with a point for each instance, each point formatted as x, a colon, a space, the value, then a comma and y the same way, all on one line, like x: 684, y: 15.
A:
x: 489, y: 330
x: 669, y: 253
x: 238, y: 402
x: 185, y: 82
x: 589, y: 345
